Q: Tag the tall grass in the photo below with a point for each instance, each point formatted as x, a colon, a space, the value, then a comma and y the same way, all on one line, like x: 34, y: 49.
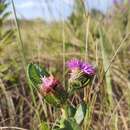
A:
x: 21, y: 48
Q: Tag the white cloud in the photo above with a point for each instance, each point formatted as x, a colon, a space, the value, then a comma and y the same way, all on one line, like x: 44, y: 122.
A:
x: 25, y: 4
x: 29, y: 4
x: 70, y: 2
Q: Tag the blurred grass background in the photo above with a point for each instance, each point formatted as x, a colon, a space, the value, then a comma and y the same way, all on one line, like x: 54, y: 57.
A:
x: 102, y: 39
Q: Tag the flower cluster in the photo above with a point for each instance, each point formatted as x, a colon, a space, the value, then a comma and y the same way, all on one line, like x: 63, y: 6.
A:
x: 80, y: 72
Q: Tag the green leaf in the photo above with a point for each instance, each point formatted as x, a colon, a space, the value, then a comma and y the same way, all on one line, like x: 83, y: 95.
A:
x: 71, y: 111
x: 5, y: 15
x: 51, y: 99
x: 57, y: 97
x: 35, y: 72
x: 78, y: 84
x: 69, y: 124
x: 72, y: 122
x: 7, y: 37
x: 3, y: 7
x: 44, y: 126
x: 80, y: 113
x: 4, y: 67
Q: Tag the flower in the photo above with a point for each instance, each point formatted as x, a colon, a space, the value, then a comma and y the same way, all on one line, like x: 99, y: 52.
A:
x: 52, y: 91
x: 48, y: 84
x: 88, y: 69
x: 81, y: 74
x: 76, y: 65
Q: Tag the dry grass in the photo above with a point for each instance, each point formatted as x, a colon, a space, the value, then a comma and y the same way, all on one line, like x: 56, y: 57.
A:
x: 103, y: 41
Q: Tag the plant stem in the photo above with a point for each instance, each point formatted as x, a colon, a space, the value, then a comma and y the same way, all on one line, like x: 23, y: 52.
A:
x: 64, y: 111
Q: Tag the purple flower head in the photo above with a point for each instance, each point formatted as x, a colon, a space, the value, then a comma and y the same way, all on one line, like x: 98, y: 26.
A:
x: 86, y: 68
x: 74, y: 64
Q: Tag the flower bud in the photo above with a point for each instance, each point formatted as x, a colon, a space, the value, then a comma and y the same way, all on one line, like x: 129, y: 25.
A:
x: 52, y: 91
x: 48, y: 84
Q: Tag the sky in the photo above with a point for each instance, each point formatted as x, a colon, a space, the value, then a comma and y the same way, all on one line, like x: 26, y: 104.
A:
x: 51, y: 10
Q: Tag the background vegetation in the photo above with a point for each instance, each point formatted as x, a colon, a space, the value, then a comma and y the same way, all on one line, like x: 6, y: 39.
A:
x: 102, y: 39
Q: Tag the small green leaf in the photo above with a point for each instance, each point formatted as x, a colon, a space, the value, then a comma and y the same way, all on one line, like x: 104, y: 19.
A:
x: 3, y: 7
x: 69, y: 124
x: 57, y: 97
x: 51, y: 99
x: 4, y: 67
x: 7, y: 37
x: 80, y: 113
x: 44, y: 126
x: 71, y: 111
x: 35, y: 72
x: 78, y: 84
x: 6, y: 15
x: 73, y: 124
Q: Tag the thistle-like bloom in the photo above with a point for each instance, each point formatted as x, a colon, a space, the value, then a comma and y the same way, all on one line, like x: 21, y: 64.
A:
x: 80, y: 74
x: 48, y: 84
x: 76, y: 65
